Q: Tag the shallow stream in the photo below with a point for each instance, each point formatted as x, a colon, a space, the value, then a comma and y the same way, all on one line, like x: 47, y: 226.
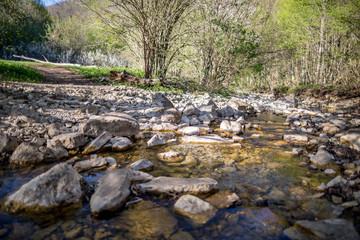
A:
x: 274, y: 192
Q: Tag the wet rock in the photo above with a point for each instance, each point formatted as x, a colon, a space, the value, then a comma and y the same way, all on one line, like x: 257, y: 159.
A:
x: 194, y: 208
x: 162, y: 101
x: 211, y: 138
x: 353, y: 139
x: 94, y: 162
x: 97, y: 143
x: 146, y: 220
x: 119, y: 144
x: 69, y: 140
x: 142, y: 165
x: 111, y: 193
x: 180, y: 235
x: 170, y: 185
x: 171, y: 115
x: 231, y: 127
x: 294, y: 136
x: 321, y: 209
x: 7, y: 143
x: 111, y: 162
x: 190, y: 130
x: 117, y: 124
x: 322, y: 159
x: 27, y: 153
x: 58, y: 187
x: 157, y: 140
x: 328, y: 229
x: 224, y: 199
x: 170, y: 156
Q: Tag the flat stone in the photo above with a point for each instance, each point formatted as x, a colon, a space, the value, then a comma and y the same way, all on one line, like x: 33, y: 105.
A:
x: 69, y: 140
x: 190, y: 130
x: 293, y: 136
x: 117, y: 124
x: 329, y: 229
x: 58, y: 187
x: 94, y: 162
x: 98, y: 142
x: 206, y: 139
x: 194, y: 208
x: 112, y: 192
x: 142, y: 165
x: 170, y: 156
x: 170, y: 185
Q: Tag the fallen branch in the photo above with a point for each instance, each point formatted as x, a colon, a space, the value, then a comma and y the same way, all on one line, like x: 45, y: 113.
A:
x: 127, y: 77
x: 39, y: 61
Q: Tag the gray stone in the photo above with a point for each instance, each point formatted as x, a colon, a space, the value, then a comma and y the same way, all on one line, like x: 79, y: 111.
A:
x: 7, y: 143
x: 165, y: 126
x: 98, y: 142
x: 171, y: 115
x: 55, y: 153
x: 294, y: 136
x: 58, y: 187
x: 53, y: 130
x: 231, y: 127
x: 138, y: 176
x: 209, y: 109
x: 69, y: 140
x: 157, y: 140
x: 154, y: 112
x: 142, y: 165
x: 94, y: 162
x: 170, y: 156
x: 227, y: 111
x: 118, y: 124
x: 355, y: 122
x: 337, y: 180
x: 191, y: 110
x: 353, y: 139
x: 180, y: 185
x: 162, y: 101
x: 322, y: 159
x: 120, y: 144
x: 190, y: 130
x: 206, y: 139
x: 194, y: 208
x: 112, y: 192
x: 328, y: 229
x: 27, y: 153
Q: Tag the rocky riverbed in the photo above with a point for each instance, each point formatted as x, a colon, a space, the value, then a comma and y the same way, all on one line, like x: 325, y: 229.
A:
x: 105, y: 162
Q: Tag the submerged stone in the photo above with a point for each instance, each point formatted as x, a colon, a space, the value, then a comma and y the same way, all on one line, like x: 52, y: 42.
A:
x: 194, y: 208
x: 223, y: 199
x: 142, y: 165
x: 146, y: 220
x: 170, y: 185
x: 211, y: 139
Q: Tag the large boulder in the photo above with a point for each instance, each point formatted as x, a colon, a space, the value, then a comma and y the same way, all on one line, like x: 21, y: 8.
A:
x: 117, y: 124
x: 168, y: 185
x: 69, y: 140
x: 7, y: 143
x: 58, y: 187
x: 194, y: 208
x: 27, y: 153
x: 112, y: 192
x: 160, y: 100
x: 329, y: 229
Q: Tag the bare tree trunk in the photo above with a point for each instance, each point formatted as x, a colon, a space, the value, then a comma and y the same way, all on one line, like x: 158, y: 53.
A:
x: 319, y: 68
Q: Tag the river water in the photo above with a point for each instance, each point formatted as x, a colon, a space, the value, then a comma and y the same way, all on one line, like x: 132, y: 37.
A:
x: 274, y: 192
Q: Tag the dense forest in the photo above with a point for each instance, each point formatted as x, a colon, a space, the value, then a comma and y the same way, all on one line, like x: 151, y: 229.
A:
x: 254, y: 44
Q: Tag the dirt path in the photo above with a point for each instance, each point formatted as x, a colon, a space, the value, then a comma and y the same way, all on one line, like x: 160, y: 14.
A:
x: 61, y: 75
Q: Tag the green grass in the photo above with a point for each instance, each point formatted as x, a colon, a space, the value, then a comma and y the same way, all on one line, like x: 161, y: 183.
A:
x: 17, y: 72
x: 96, y: 73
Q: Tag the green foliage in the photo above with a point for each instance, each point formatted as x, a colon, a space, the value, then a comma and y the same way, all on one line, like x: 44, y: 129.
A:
x: 17, y: 72
x: 21, y: 22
